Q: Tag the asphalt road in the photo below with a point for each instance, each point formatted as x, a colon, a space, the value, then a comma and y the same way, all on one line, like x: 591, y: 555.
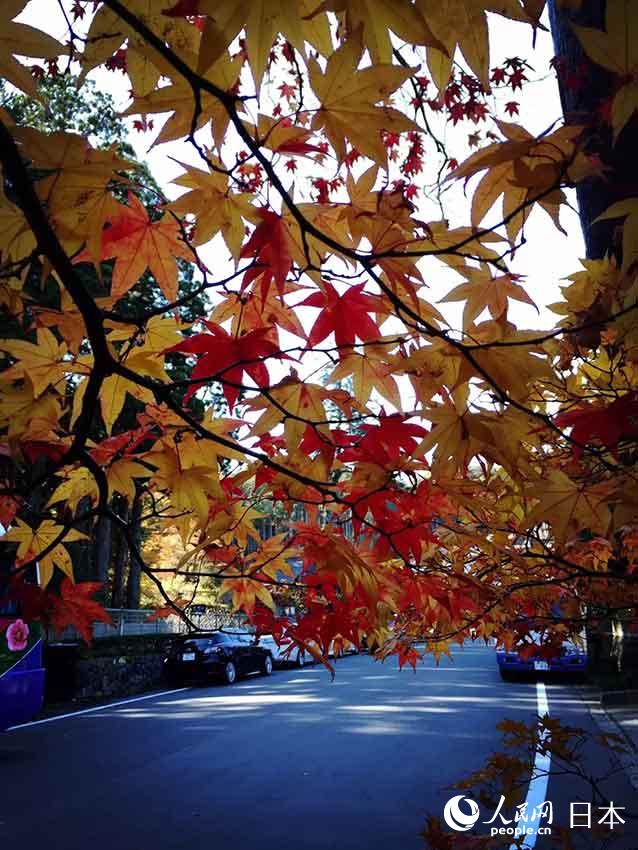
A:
x: 294, y: 761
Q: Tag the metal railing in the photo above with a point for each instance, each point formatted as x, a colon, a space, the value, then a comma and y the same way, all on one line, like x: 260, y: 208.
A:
x: 128, y: 621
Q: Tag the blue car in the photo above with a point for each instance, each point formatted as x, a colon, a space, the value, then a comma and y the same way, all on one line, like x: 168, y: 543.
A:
x: 572, y: 661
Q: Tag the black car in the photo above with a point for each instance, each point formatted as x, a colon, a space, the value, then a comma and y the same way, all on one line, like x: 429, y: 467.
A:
x: 224, y: 654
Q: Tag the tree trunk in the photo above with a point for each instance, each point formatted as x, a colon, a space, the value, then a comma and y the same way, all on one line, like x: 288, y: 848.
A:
x: 102, y: 548
x: 588, y: 104
x: 134, y: 571
x: 585, y: 91
x: 120, y: 561
x: 80, y: 550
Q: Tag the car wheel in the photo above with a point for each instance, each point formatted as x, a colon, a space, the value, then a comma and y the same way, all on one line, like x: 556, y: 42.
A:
x: 230, y: 673
x: 266, y: 667
x: 506, y: 676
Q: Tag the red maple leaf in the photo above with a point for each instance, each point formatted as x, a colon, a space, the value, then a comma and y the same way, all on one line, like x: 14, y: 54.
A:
x: 75, y: 607
x: 344, y: 315
x: 270, y: 247
x: 227, y: 357
x: 8, y: 509
x: 602, y: 425
x: 383, y: 443
x: 183, y: 8
x: 35, y: 449
x: 120, y: 445
x: 294, y: 146
x: 408, y: 655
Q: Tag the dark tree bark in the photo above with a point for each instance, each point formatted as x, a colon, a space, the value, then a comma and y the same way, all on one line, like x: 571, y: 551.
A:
x: 80, y: 550
x: 120, y: 560
x: 585, y: 103
x: 102, y: 549
x: 134, y: 570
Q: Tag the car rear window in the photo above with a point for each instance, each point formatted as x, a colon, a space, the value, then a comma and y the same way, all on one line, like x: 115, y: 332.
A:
x: 203, y: 642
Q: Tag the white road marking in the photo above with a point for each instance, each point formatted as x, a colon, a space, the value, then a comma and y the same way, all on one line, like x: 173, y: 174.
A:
x: 537, y: 791
x: 105, y: 707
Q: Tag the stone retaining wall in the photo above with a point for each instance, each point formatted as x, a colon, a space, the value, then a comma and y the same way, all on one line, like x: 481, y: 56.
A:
x: 118, y: 675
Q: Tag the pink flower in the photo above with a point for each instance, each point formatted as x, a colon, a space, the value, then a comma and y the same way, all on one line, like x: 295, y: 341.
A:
x: 18, y: 636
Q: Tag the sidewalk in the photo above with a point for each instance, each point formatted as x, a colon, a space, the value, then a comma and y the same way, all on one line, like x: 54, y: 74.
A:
x: 616, y: 712
x: 627, y: 719
x: 622, y: 707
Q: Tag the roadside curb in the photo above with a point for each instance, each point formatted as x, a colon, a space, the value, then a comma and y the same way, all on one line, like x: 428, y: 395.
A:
x: 603, y: 717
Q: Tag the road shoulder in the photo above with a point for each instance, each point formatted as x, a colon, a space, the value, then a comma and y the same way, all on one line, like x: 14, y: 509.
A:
x: 616, y: 720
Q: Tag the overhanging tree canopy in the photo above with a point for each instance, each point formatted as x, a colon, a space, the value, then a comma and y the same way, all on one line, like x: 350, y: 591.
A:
x: 474, y: 473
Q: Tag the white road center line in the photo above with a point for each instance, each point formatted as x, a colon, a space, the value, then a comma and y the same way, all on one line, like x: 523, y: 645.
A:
x: 105, y: 707
x: 537, y: 791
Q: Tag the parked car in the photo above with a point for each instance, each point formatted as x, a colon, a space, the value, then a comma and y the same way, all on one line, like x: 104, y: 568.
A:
x: 222, y: 654
x: 298, y: 657
x: 572, y: 661
x: 279, y: 652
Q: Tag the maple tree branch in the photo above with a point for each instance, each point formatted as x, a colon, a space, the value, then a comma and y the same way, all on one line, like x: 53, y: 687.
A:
x: 49, y: 244
x: 367, y: 261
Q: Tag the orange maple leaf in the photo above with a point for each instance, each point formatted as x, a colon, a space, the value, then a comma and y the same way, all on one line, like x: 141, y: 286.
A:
x: 137, y: 244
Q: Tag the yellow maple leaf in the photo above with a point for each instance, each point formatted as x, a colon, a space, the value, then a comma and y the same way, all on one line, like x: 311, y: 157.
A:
x: 296, y: 403
x: 245, y: 593
x: 33, y: 541
x: 523, y: 170
x: 569, y: 506
x: 627, y: 209
x: 456, y: 434
x: 273, y: 557
x: 215, y: 208
x: 120, y: 476
x: 144, y: 361
x: 430, y: 367
x: 178, y: 99
x: 158, y: 334
x: 78, y: 484
x: 349, y: 99
x: 114, y: 390
x: 41, y: 363
x: 108, y: 32
x: 77, y: 192
x: 19, y: 407
x: 463, y: 24
x: 259, y: 309
x: 22, y: 40
x: 188, y: 470
x: 516, y: 373
x: 376, y: 18
x: 16, y: 237
x: 370, y: 371
x: 484, y: 291
x: 262, y: 21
